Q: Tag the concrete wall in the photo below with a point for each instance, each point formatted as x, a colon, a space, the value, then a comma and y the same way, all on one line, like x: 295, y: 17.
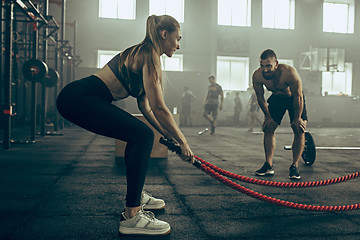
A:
x: 203, y: 40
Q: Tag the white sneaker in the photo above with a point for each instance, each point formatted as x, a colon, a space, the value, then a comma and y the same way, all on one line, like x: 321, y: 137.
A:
x: 143, y: 223
x: 149, y: 202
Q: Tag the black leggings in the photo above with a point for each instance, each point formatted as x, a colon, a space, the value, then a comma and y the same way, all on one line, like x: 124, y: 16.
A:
x: 87, y: 103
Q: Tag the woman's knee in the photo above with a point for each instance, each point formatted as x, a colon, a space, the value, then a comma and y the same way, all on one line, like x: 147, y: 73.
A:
x: 143, y: 134
x: 148, y: 134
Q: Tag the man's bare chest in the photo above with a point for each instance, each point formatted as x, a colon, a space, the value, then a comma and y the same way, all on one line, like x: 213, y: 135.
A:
x: 275, y: 85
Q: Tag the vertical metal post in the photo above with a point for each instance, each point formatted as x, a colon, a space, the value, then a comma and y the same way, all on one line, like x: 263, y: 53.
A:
x: 24, y: 85
x: 43, y: 89
x: 327, y: 59
x: 35, y: 47
x: 56, y: 57
x: 68, y: 70
x: 63, y: 19
x: 9, y: 11
x: 15, y: 75
x: 74, y: 60
x: 1, y: 60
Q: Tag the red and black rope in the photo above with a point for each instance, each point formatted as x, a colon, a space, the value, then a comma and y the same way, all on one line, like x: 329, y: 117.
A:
x: 217, y: 173
x: 278, y: 184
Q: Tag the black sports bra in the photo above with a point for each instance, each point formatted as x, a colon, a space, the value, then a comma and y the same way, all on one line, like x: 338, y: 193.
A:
x: 132, y: 81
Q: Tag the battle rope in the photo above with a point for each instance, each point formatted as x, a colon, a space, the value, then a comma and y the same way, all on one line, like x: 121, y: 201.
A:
x: 278, y: 184
x: 201, y: 165
x: 275, y: 201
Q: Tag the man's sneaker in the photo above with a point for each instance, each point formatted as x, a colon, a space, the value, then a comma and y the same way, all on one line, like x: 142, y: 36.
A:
x: 149, y: 202
x: 266, y: 169
x: 212, y: 127
x: 143, y: 223
x: 212, y: 131
x: 294, y: 172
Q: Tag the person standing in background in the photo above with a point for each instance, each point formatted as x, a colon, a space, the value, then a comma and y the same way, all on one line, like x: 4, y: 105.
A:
x: 253, y: 114
x: 187, y: 98
x: 211, y: 103
x: 237, y: 110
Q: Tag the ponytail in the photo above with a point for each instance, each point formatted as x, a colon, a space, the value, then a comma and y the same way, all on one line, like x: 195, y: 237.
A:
x: 149, y: 49
x: 152, y: 32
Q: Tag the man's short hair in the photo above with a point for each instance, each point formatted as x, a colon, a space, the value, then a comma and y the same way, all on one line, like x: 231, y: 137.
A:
x: 211, y: 76
x: 268, y: 53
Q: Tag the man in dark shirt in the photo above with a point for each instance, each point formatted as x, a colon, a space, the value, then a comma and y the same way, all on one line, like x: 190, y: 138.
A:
x: 211, y: 103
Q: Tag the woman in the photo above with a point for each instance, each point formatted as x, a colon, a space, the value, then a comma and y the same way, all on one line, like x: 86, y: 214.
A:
x: 136, y: 72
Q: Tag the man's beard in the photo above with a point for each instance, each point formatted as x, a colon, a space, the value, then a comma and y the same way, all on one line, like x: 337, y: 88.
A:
x: 268, y: 76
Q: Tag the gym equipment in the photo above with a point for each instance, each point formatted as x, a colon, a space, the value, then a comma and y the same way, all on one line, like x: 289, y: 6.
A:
x: 260, y: 133
x: 309, y: 153
x: 51, y: 78
x: 35, y: 70
x: 203, y: 131
x: 286, y: 147
x: 217, y: 173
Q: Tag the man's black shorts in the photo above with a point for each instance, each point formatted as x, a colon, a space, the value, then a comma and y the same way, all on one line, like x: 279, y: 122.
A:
x: 278, y: 104
x: 211, y: 108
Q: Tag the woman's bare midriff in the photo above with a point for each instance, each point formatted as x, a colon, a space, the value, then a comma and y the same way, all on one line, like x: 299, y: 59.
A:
x: 116, y: 88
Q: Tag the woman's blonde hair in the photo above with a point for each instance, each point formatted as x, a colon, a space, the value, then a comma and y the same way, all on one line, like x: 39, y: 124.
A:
x: 151, y: 44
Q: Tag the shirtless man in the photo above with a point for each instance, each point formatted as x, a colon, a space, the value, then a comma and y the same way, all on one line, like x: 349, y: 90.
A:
x: 285, y: 84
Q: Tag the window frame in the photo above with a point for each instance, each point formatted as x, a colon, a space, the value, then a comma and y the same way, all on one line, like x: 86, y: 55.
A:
x: 102, y: 53
x: 347, y: 83
x: 164, y: 59
x: 291, y: 23
x: 246, y: 75
x: 232, y: 9
x: 286, y: 61
x: 102, y: 15
x: 160, y: 12
x: 350, y: 19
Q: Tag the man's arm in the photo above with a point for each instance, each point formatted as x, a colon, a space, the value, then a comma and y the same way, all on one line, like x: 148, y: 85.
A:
x: 221, y: 97
x: 206, y: 98
x: 193, y: 97
x: 259, y: 91
x: 295, y: 86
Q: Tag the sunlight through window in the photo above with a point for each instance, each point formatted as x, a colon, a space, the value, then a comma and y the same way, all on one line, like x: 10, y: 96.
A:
x: 234, y: 12
x: 118, y: 9
x: 233, y: 73
x: 104, y: 56
x: 335, y: 83
x: 174, y: 63
x: 344, y: 20
x: 286, y: 61
x: 174, y: 8
x: 278, y: 14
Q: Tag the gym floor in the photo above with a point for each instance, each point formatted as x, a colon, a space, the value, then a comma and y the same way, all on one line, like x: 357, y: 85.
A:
x: 72, y: 187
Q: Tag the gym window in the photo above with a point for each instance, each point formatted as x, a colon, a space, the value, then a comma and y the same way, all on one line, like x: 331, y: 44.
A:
x: 104, y: 56
x: 337, y: 83
x: 278, y: 14
x: 338, y: 16
x: 174, y: 8
x: 234, y: 12
x: 286, y: 61
x: 232, y: 73
x: 118, y: 9
x: 175, y: 63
